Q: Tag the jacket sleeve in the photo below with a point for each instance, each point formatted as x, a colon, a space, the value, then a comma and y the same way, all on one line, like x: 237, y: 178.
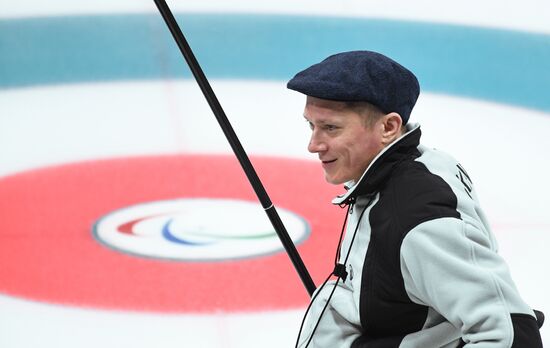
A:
x: 369, y: 342
x: 452, y: 267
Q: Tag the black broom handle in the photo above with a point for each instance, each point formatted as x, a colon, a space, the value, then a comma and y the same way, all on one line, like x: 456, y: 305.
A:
x: 236, y: 145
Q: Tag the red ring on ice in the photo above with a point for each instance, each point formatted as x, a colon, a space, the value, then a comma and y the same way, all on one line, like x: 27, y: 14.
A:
x: 48, y: 254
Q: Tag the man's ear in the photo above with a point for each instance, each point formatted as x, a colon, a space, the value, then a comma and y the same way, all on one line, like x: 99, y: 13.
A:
x: 391, y: 124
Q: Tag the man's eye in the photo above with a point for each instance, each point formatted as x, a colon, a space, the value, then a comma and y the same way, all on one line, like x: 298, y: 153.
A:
x: 330, y: 127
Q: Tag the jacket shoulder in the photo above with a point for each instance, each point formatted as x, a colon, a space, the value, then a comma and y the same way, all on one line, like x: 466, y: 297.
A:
x: 417, y: 195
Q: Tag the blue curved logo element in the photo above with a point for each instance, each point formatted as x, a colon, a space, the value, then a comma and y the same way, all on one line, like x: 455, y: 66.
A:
x: 169, y: 236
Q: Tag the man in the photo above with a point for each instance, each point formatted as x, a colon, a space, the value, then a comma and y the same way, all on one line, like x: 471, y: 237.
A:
x: 418, y: 266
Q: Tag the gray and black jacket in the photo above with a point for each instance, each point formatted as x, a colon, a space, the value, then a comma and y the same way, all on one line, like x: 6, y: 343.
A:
x: 421, y: 264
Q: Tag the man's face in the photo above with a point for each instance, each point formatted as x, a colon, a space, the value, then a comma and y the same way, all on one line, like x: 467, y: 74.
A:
x: 344, y: 143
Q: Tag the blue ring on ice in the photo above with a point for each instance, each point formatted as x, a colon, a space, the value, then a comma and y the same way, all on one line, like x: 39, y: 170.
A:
x: 504, y: 66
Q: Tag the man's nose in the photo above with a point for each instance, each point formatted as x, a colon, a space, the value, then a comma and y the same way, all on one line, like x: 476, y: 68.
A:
x: 316, y: 144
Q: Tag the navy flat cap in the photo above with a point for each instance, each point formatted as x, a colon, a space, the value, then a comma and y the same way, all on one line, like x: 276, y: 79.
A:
x: 361, y: 76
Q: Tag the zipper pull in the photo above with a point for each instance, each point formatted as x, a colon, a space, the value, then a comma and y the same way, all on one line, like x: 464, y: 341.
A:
x: 351, y: 204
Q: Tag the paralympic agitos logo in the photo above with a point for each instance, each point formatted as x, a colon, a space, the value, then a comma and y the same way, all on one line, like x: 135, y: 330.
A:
x: 198, y: 229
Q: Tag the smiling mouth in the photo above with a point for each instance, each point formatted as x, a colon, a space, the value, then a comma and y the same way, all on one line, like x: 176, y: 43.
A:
x: 327, y: 162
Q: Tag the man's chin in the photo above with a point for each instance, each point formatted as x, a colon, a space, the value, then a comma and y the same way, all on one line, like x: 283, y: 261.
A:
x: 333, y: 180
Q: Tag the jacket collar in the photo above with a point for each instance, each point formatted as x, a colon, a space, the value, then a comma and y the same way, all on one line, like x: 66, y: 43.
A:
x: 382, y: 165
